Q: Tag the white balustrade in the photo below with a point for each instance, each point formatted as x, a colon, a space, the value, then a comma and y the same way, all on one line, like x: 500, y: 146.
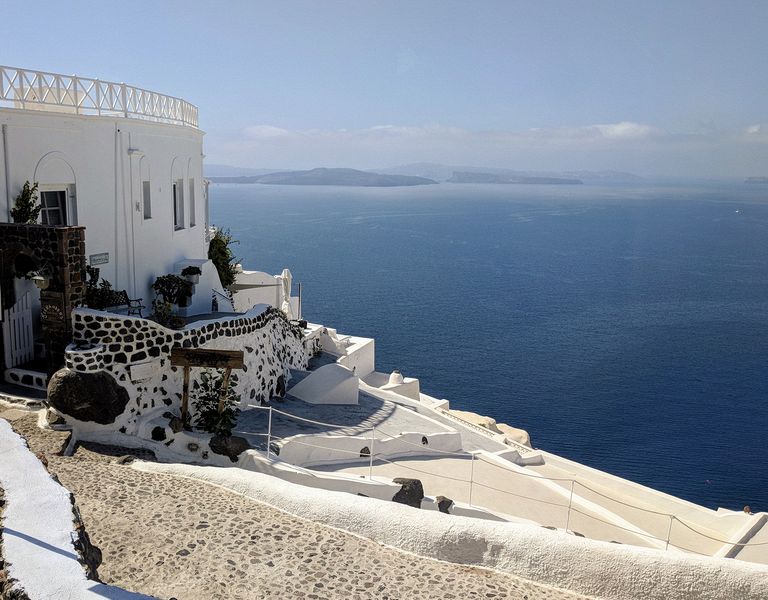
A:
x: 40, y: 90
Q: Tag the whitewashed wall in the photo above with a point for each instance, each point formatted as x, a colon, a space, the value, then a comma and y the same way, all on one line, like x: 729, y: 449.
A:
x: 103, y: 161
x: 136, y: 352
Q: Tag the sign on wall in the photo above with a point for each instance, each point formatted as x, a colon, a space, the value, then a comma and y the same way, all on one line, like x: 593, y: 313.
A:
x: 98, y: 259
x: 144, y: 371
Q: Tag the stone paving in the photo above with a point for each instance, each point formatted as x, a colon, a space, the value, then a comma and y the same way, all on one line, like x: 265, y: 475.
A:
x: 185, y: 539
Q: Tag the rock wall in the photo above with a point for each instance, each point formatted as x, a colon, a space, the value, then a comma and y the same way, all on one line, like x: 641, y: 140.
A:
x: 60, y: 252
x: 136, y: 353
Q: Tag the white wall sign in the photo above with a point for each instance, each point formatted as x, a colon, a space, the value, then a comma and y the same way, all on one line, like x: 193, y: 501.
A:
x: 99, y: 259
x: 144, y: 371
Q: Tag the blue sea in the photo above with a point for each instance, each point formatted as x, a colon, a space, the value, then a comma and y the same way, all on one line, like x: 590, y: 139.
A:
x: 624, y: 326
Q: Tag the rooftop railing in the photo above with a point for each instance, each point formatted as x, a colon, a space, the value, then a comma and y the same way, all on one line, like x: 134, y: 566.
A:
x: 40, y: 90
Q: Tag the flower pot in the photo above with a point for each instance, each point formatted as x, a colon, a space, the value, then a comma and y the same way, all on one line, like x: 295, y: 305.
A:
x: 193, y: 279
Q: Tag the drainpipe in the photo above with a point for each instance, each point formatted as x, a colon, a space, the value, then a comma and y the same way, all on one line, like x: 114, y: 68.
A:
x: 115, y: 205
x: 7, y: 171
x: 134, y: 206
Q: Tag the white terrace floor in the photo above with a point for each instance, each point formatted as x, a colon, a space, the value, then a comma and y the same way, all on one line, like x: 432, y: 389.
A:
x: 596, y: 505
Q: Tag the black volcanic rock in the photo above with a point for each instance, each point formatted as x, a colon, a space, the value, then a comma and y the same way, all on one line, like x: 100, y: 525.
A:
x: 95, y: 397
x: 411, y: 492
x: 231, y: 446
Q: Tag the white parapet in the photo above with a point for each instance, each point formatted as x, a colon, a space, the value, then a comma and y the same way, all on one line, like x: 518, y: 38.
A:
x: 581, y: 565
x: 38, y: 529
x: 330, y: 384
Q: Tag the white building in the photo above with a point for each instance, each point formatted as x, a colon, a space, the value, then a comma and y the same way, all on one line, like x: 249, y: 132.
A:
x: 123, y: 162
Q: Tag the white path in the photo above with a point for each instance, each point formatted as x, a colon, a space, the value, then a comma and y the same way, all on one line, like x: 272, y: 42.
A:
x: 38, y: 530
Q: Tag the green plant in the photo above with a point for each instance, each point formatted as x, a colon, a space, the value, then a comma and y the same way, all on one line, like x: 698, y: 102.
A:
x: 172, y: 288
x: 206, y: 403
x: 191, y: 270
x: 25, y: 207
x: 220, y: 252
x: 99, y: 295
x: 161, y: 311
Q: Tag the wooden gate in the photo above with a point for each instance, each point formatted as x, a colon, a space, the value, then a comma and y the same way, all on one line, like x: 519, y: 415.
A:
x: 18, y: 340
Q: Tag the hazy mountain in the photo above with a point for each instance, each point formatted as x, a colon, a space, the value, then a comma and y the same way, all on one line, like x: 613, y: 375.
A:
x: 472, y: 177
x: 323, y: 176
x: 212, y: 170
x: 756, y: 180
x: 441, y: 172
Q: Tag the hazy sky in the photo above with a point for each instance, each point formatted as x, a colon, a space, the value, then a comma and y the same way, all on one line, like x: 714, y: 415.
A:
x: 658, y: 88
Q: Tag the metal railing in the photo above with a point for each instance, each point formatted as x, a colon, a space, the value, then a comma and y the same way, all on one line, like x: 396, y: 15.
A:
x: 665, y: 521
x: 24, y: 88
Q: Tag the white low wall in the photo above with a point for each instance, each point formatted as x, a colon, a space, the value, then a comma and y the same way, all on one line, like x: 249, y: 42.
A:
x: 585, y: 566
x: 250, y: 460
x: 38, y: 529
x: 358, y: 354
x: 719, y: 524
x: 330, y: 384
x: 307, y: 450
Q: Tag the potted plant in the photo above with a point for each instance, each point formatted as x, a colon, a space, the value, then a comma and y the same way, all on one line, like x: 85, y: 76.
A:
x: 172, y: 288
x: 191, y: 274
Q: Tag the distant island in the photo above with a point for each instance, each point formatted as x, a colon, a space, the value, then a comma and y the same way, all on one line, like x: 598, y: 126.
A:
x: 477, y: 177
x: 757, y: 180
x: 440, y: 172
x: 323, y: 176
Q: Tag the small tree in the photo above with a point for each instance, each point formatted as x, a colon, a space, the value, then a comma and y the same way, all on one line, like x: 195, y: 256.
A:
x: 172, y: 288
x: 25, y: 208
x: 220, y: 253
x: 206, y: 403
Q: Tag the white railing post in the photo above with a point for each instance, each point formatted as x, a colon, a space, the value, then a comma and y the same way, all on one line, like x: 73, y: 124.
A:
x: 570, y: 502
x: 74, y: 92
x: 269, y: 431
x: 370, y: 453
x: 669, y: 531
x: 21, y: 87
x: 124, y: 100
x: 471, y: 477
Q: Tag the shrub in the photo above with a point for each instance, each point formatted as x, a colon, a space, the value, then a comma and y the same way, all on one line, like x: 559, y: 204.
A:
x: 220, y: 253
x: 172, y: 288
x: 99, y: 295
x: 191, y: 270
x: 206, y: 403
x: 25, y: 208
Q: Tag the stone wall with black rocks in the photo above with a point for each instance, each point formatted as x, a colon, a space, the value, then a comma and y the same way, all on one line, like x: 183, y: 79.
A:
x: 57, y: 252
x: 136, y: 353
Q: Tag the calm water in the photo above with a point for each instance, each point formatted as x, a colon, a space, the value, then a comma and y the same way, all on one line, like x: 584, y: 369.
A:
x: 624, y: 327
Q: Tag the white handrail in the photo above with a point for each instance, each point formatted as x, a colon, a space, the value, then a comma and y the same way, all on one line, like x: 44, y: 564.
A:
x: 20, y: 88
x: 374, y: 457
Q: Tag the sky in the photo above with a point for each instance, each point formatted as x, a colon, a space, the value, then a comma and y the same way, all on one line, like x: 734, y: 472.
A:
x: 658, y: 88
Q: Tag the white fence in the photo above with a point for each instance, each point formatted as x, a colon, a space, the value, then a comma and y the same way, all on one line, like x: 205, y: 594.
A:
x: 18, y: 339
x: 661, y: 530
x: 40, y: 90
